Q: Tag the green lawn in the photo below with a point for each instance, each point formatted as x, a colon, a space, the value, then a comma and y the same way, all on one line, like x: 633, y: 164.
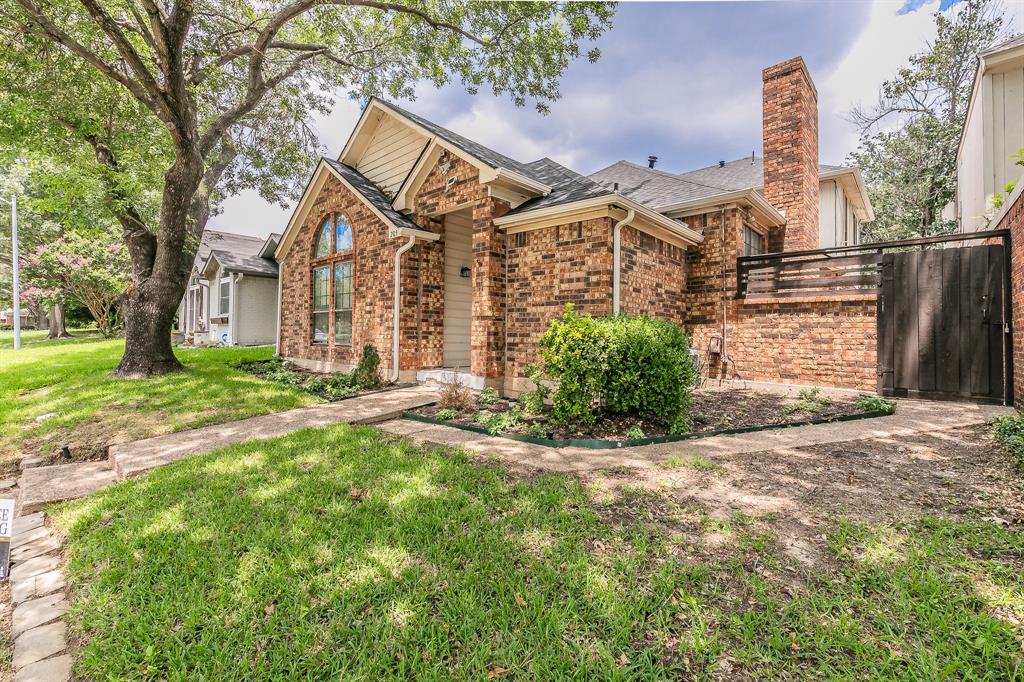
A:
x: 72, y: 379
x: 341, y: 553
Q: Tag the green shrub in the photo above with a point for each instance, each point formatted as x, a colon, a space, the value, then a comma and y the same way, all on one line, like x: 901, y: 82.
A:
x: 446, y: 413
x: 635, y: 433
x: 537, y: 430
x: 367, y: 371
x: 874, y: 403
x: 650, y: 371
x: 809, y: 400
x: 487, y: 398
x: 634, y: 365
x: 574, y: 349
x: 498, y: 422
x: 533, y: 401
x: 1010, y: 434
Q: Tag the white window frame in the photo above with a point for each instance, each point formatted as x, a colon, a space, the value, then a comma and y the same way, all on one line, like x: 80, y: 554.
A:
x: 222, y: 310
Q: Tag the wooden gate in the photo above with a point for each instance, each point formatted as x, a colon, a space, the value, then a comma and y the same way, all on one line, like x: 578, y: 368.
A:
x: 943, y: 324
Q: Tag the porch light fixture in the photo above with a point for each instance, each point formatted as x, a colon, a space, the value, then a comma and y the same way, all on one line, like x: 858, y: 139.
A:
x: 464, y: 271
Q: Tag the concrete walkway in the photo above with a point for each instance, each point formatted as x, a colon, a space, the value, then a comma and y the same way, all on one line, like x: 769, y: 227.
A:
x: 911, y: 417
x: 41, y: 486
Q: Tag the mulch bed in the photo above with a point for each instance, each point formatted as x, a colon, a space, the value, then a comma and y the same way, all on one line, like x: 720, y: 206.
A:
x: 710, y: 411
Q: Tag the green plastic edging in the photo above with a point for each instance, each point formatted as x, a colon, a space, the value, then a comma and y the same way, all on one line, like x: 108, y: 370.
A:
x: 595, y: 444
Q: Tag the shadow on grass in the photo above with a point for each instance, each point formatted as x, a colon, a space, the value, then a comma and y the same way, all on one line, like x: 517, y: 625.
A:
x: 343, y: 553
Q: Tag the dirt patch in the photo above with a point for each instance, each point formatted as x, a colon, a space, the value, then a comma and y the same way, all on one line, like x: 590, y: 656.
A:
x: 710, y: 411
x: 795, y: 493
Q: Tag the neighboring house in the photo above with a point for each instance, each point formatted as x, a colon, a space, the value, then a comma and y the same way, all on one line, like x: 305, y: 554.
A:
x: 993, y: 135
x: 232, y: 294
x: 28, y: 319
x: 446, y: 255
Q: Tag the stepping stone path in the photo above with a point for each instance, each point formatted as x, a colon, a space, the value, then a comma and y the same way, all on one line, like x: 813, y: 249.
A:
x: 39, y: 598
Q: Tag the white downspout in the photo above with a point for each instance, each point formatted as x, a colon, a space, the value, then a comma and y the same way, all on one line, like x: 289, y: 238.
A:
x: 277, y: 327
x: 398, y: 305
x: 617, y: 258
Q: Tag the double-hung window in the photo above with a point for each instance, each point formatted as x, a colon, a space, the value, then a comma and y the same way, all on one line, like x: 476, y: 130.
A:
x: 332, y: 281
x: 753, y: 242
x: 224, y: 299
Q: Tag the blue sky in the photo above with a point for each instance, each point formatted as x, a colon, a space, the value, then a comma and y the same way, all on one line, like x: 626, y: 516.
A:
x: 678, y: 80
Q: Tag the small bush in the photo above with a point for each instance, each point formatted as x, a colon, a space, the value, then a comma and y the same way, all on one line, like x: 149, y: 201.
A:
x: 808, y: 400
x: 487, y: 398
x: 533, y: 401
x: 446, y: 414
x: 634, y: 365
x: 575, y: 351
x: 537, y: 430
x: 456, y: 395
x: 874, y: 403
x: 367, y: 371
x: 1010, y: 434
x: 635, y: 433
x: 650, y: 371
x: 499, y: 422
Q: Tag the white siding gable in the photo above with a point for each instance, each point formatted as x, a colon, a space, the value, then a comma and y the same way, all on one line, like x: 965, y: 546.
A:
x: 391, y: 154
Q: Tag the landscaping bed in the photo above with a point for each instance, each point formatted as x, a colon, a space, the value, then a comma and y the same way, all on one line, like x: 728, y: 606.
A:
x: 362, y: 380
x: 711, y: 412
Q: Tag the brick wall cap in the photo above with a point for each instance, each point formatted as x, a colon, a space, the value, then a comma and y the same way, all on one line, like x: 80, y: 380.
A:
x: 787, y: 67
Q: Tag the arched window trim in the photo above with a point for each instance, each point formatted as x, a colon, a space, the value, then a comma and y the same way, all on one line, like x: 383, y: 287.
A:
x: 332, y: 277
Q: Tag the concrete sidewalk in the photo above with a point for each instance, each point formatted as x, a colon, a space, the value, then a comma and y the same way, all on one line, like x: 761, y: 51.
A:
x: 911, y: 417
x: 41, y: 486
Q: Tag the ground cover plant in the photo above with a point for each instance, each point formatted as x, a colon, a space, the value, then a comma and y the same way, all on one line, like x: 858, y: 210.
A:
x: 1009, y: 431
x: 345, y: 553
x: 62, y: 392
x: 363, y: 378
x: 709, y: 411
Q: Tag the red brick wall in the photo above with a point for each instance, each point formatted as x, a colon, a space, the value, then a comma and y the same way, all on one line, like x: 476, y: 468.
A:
x: 790, y: 130
x: 1014, y: 222
x: 821, y: 342
x: 653, y: 276
x: 806, y: 341
x: 372, y: 272
x: 548, y: 268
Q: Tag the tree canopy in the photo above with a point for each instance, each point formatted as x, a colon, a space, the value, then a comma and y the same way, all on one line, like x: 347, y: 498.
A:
x: 170, y: 106
x: 909, y: 138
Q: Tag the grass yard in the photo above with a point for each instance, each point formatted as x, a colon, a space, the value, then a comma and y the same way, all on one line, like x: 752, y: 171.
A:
x: 72, y: 379
x: 342, y: 553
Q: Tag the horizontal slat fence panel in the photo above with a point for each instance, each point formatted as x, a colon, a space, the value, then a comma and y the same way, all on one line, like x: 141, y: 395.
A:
x: 809, y: 276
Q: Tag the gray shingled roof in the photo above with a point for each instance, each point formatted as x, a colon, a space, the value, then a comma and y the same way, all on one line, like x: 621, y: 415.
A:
x: 228, y: 242
x: 249, y: 264
x: 660, y: 188
x: 371, y: 193
x: 566, y: 186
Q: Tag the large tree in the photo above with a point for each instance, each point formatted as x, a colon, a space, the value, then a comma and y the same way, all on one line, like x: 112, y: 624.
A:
x: 909, y: 138
x: 217, y: 96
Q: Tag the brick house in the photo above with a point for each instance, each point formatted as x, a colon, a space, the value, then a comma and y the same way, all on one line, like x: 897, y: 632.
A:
x: 446, y: 255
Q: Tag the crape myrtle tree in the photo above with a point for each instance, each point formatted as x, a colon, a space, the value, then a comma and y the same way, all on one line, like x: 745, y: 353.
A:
x: 216, y: 97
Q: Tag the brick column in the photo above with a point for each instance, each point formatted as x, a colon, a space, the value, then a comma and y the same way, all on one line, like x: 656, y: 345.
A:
x: 488, y: 328
x: 1013, y: 220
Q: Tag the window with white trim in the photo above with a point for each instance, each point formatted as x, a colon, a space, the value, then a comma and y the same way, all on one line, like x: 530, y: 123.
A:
x: 224, y: 304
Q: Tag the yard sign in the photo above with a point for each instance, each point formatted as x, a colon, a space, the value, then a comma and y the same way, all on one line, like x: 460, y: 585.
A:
x: 6, y: 521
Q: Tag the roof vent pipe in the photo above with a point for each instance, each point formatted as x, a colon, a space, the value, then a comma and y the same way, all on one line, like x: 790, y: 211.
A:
x: 651, y: 160
x: 721, y: 164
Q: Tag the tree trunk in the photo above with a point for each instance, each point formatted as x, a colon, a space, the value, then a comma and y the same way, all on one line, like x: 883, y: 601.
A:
x: 57, y: 328
x: 162, y: 264
x: 148, y: 315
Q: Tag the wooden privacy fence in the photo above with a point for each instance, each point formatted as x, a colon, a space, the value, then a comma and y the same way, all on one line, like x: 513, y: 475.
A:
x: 829, y: 273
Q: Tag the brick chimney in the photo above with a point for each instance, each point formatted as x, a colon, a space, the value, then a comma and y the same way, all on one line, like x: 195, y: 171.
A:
x: 790, y: 128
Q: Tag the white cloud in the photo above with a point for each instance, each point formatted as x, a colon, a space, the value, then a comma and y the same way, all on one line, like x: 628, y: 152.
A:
x: 886, y: 42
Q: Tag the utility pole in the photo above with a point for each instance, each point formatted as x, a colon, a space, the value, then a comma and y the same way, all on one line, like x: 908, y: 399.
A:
x: 14, y: 272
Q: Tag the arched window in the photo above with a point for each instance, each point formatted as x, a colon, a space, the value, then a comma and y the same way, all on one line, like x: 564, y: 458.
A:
x: 342, y: 235
x: 332, y: 282
x: 323, y: 239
